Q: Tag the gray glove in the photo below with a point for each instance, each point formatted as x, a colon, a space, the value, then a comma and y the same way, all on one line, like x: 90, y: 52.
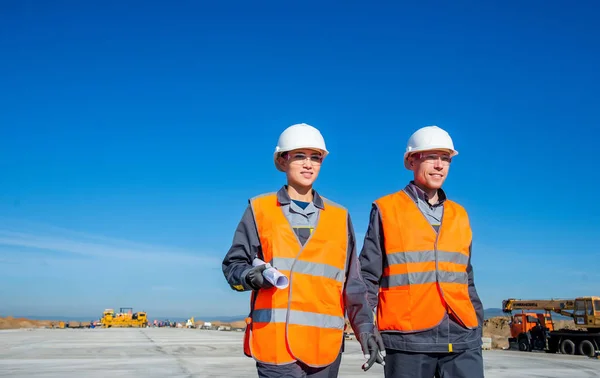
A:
x: 255, y: 278
x: 373, y: 349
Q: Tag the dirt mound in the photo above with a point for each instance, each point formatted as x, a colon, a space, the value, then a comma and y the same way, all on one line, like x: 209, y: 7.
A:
x: 238, y: 324
x: 16, y: 323
x: 498, y: 329
x: 564, y: 324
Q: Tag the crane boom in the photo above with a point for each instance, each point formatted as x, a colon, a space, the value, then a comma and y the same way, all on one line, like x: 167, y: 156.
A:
x: 556, y: 305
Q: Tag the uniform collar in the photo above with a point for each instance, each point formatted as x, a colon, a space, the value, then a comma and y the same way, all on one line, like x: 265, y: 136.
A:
x: 284, y: 198
x: 417, y: 193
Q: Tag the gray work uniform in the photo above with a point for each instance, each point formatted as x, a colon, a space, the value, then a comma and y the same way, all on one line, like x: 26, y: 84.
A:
x: 420, y: 350
x: 303, y: 219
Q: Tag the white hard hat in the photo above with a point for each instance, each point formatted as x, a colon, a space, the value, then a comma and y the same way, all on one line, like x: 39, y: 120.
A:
x: 297, y: 136
x: 428, y: 138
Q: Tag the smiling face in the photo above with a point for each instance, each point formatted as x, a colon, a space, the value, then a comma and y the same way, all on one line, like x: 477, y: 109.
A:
x: 430, y: 168
x: 301, y: 166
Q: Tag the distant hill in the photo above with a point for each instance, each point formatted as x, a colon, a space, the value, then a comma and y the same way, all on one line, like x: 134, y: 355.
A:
x: 495, y: 312
x: 77, y: 318
x: 487, y: 314
x: 225, y: 319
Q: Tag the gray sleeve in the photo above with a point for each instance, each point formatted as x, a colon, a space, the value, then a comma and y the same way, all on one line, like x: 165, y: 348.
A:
x: 473, y: 291
x: 359, y: 313
x: 371, y: 256
x: 244, y: 248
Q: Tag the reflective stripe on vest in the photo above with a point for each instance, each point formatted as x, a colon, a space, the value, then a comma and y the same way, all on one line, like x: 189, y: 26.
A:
x: 425, y: 273
x: 297, y: 317
x: 426, y: 260
x: 304, y: 322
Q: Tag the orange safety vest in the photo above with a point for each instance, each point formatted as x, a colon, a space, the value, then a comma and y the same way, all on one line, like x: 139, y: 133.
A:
x: 304, y: 322
x: 424, y: 273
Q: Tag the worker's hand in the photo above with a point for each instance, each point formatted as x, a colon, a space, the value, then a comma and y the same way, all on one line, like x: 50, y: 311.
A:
x: 373, y: 349
x: 255, y: 278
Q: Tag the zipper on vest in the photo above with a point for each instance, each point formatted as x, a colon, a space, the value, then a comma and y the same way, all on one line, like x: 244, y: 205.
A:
x: 437, y: 276
x: 302, y: 247
x: 435, y: 250
x: 449, y: 310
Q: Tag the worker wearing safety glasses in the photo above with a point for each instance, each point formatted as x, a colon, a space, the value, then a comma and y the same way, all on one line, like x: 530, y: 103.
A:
x: 416, y: 262
x: 296, y: 329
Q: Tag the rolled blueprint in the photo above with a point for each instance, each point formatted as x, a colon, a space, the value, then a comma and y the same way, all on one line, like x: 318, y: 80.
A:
x: 275, y: 277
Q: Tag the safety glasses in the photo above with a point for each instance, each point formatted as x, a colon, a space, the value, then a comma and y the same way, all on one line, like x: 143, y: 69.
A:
x: 299, y: 158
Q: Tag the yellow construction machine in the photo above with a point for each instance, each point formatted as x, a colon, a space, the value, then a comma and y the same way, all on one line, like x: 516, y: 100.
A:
x: 125, y: 318
x: 536, y: 331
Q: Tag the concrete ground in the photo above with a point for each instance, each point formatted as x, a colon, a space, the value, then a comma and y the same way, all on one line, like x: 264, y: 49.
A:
x: 167, y: 352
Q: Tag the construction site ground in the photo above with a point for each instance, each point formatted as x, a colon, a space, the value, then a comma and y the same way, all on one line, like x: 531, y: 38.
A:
x: 172, y: 352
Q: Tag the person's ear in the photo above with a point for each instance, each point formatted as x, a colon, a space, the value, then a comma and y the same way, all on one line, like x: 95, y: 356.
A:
x: 282, y: 162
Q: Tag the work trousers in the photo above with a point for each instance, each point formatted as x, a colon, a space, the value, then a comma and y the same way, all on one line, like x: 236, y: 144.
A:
x: 467, y: 364
x: 298, y: 370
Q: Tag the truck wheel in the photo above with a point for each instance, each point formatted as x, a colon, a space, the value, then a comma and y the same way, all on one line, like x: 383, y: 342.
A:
x: 567, y: 347
x: 523, y: 344
x: 587, y: 348
x: 539, y: 344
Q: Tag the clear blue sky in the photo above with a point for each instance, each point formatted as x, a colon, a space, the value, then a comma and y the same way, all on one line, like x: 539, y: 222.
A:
x: 132, y: 135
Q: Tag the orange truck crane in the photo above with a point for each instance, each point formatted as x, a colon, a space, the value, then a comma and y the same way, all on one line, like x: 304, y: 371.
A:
x: 535, y: 331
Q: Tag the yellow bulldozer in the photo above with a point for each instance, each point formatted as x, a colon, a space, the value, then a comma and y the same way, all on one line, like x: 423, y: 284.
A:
x: 125, y: 318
